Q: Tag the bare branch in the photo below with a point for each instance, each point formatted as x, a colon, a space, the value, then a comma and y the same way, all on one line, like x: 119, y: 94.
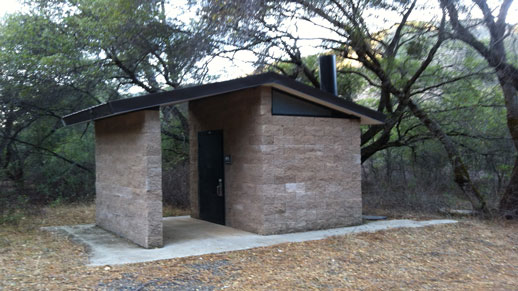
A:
x: 430, y: 57
x: 392, y: 47
x: 364, y: 76
x: 38, y: 147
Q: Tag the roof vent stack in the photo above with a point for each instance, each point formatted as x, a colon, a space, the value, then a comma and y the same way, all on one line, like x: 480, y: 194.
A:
x: 328, y: 74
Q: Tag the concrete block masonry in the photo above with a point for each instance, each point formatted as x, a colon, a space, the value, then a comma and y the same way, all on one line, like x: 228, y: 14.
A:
x: 185, y: 236
x: 129, y: 176
x: 284, y: 171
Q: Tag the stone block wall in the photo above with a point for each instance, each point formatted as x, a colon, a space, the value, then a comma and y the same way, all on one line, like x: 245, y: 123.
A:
x: 129, y: 176
x: 236, y: 114
x: 288, y: 173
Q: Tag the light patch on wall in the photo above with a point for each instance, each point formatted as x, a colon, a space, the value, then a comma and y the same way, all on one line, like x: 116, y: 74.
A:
x: 357, y: 159
x: 296, y: 187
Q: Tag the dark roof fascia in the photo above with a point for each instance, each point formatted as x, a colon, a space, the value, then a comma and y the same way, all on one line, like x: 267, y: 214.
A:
x: 148, y: 101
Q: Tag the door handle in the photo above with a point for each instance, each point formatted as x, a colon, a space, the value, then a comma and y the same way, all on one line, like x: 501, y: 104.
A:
x: 219, y: 188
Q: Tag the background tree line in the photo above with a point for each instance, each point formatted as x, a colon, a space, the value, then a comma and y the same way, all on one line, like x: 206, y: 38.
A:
x: 447, y: 83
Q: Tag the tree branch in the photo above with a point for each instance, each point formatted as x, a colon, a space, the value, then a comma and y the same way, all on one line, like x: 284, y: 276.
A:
x: 52, y: 153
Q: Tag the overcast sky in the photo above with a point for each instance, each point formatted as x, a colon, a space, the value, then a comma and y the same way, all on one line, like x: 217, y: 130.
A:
x: 9, y: 6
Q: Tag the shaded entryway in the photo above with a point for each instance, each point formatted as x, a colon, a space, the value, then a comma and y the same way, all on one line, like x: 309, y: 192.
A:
x: 185, y: 236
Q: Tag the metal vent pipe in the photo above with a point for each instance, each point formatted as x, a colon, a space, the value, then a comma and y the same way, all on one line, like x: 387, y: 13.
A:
x: 328, y: 74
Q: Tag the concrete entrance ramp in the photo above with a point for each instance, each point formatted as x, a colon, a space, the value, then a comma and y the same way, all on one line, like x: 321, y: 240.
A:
x: 185, y: 236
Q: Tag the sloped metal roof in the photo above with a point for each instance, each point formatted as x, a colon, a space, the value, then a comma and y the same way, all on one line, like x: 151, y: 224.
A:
x: 117, y: 107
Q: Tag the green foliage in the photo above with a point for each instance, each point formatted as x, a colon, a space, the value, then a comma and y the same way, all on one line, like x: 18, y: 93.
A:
x: 66, y: 55
x: 13, y: 206
x: 471, y: 111
x: 41, y: 81
x: 12, y: 216
x: 175, y: 140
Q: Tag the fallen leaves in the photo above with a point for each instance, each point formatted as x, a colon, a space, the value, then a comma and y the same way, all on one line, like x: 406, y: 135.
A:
x: 469, y: 255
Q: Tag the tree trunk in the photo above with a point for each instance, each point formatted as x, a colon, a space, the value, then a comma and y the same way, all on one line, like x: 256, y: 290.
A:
x: 388, y: 166
x: 507, y: 74
x: 460, y: 172
x: 509, y: 202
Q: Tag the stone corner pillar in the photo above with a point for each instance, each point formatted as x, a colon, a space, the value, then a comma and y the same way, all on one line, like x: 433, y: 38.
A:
x: 128, y: 163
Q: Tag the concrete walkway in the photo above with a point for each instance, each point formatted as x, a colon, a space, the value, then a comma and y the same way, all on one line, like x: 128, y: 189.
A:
x: 185, y: 236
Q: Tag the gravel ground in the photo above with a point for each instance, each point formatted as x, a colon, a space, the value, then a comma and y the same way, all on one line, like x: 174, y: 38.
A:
x: 472, y: 254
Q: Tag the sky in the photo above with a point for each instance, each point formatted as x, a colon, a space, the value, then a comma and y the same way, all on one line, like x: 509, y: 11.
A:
x: 9, y: 6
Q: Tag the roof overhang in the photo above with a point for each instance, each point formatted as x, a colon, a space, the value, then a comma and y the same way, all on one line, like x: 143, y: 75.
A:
x: 118, y: 107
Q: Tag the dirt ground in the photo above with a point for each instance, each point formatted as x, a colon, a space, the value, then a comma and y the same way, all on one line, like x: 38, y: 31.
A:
x: 472, y: 254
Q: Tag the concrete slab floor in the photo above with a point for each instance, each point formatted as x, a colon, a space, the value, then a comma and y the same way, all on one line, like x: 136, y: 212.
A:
x: 185, y: 236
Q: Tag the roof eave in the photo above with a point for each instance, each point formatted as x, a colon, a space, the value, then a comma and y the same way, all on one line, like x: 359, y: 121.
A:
x: 117, y: 107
